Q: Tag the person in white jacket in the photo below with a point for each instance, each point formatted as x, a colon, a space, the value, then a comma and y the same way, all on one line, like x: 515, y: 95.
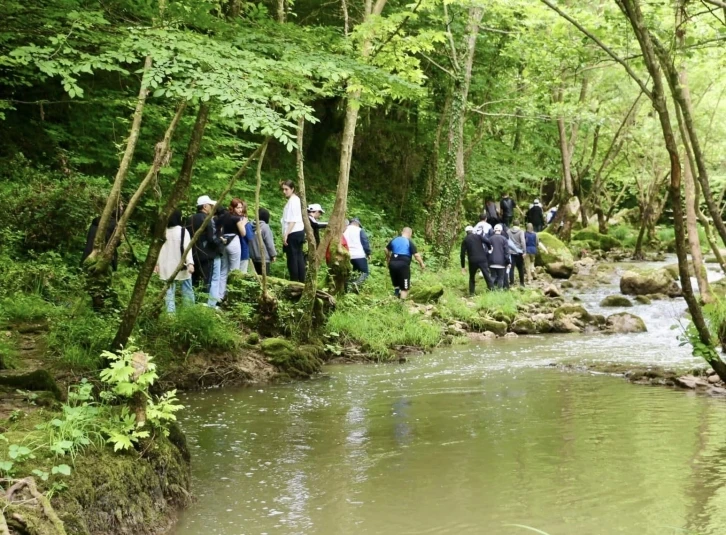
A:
x: 177, y: 239
x: 293, y: 232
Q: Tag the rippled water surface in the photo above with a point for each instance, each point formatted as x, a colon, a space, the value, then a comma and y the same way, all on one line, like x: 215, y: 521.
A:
x: 473, y: 439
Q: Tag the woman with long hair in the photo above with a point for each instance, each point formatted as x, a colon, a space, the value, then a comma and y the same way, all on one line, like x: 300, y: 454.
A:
x: 293, y: 232
x: 177, y: 240
x: 237, y: 230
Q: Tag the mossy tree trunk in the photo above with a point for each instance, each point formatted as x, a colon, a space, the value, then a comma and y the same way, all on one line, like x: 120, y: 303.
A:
x: 131, y: 314
x: 453, y: 181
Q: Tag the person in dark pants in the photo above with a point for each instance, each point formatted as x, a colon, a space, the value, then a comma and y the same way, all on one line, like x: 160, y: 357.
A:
x: 517, y: 247
x: 490, y: 209
x: 499, y: 259
x: 205, y: 250
x: 399, y: 253
x: 507, y: 206
x: 315, y: 211
x: 476, y: 247
x: 293, y: 232
x: 360, y: 251
x: 535, y: 215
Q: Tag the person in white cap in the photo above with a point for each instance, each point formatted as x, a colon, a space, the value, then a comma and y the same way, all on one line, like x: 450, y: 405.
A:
x: 476, y: 247
x: 499, y: 259
x: 315, y: 211
x: 535, y: 215
x: 205, y: 250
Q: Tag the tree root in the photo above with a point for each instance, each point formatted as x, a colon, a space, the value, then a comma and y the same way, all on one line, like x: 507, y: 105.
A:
x: 38, y: 497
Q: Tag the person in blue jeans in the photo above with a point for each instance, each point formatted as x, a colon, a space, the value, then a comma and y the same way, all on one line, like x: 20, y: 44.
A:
x: 177, y: 240
x: 360, y: 251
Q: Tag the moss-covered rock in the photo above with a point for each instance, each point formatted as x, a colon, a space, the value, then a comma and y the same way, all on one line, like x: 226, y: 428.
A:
x: 649, y: 282
x: 523, y: 326
x: 616, y: 301
x: 558, y: 260
x: 643, y: 299
x: 426, y: 294
x: 497, y: 327
x: 297, y: 362
x: 117, y: 493
x: 624, y: 322
x: 38, y: 380
x: 576, y: 311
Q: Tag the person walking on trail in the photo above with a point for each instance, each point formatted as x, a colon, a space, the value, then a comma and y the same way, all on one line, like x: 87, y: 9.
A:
x: 483, y: 228
x: 517, y: 248
x: 205, y: 250
x: 360, y: 251
x: 399, y: 253
x: 507, y: 206
x: 476, y: 247
x: 268, y: 243
x: 315, y: 211
x: 293, y: 232
x: 235, y: 228
x: 535, y: 215
x: 499, y: 260
x: 533, y: 244
x: 177, y: 240
x: 491, y: 210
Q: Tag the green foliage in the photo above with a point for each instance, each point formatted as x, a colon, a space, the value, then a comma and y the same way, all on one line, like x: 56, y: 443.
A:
x: 24, y: 309
x: 78, y: 337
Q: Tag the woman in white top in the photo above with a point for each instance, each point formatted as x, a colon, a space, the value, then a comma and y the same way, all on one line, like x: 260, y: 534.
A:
x: 177, y: 239
x: 293, y: 232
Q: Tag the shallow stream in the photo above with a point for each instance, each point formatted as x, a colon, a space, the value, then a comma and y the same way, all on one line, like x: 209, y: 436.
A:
x: 481, y: 439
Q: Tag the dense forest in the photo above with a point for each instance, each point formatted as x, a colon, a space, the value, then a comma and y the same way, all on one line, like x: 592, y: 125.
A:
x: 400, y: 113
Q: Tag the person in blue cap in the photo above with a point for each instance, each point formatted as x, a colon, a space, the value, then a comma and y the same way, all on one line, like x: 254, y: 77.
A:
x: 399, y: 253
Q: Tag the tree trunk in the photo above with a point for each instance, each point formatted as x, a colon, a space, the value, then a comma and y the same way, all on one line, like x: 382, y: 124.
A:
x: 304, y: 331
x: 337, y: 217
x: 602, y: 222
x: 130, y: 315
x: 693, y: 241
x: 453, y: 184
x: 702, y: 346
x: 431, y: 189
x: 258, y: 234
x: 645, y: 217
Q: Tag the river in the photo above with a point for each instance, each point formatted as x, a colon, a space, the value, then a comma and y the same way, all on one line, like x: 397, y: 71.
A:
x: 486, y: 439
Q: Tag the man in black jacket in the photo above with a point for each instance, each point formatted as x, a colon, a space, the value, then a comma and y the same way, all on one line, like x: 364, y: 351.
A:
x: 507, y: 206
x: 535, y: 215
x: 499, y: 259
x: 205, y: 250
x: 476, y: 247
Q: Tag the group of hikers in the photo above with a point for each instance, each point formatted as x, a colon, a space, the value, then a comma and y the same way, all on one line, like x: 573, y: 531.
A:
x: 496, y: 245
x: 230, y: 242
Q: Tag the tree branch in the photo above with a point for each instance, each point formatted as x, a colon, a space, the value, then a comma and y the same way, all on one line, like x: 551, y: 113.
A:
x: 602, y: 45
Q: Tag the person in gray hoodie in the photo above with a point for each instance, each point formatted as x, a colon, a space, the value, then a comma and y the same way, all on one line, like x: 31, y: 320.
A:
x: 267, y: 242
x: 517, y: 248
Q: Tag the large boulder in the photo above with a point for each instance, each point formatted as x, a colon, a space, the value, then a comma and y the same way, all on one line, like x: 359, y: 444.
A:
x: 497, y: 327
x: 649, y: 282
x: 624, y: 322
x: 616, y: 301
x: 297, y: 361
x: 523, y: 325
x: 426, y: 294
x: 558, y: 260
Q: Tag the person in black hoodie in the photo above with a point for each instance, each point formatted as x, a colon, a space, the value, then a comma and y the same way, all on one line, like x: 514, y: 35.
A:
x: 499, y: 259
x: 535, y: 215
x: 476, y: 247
x: 205, y: 250
x: 507, y: 206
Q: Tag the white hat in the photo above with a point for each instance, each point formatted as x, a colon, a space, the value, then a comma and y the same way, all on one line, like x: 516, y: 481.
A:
x: 315, y: 208
x: 469, y: 228
x: 204, y: 199
x: 497, y: 228
x: 536, y: 202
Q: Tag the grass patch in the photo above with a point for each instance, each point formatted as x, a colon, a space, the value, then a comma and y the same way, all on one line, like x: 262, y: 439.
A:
x: 506, y: 302
x: 190, y: 330
x: 78, y: 338
x: 380, y: 329
x: 24, y: 309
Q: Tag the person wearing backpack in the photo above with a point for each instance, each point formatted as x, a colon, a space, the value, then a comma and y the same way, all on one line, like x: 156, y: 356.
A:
x: 205, y: 250
x: 268, y: 243
x: 517, y: 248
x: 533, y: 244
x: 177, y: 240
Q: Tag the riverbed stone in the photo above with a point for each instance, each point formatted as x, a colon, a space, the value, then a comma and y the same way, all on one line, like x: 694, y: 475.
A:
x: 426, y: 294
x: 298, y: 362
x: 567, y: 325
x: 691, y: 382
x: 576, y: 311
x: 649, y: 282
x: 523, y: 326
x: 643, y: 299
x: 624, y: 322
x: 616, y: 301
x: 552, y: 291
x: 558, y: 260
x: 486, y: 336
x: 497, y: 327
x: 511, y: 335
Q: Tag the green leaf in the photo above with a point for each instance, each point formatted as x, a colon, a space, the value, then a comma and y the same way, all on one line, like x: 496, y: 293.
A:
x: 62, y: 469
